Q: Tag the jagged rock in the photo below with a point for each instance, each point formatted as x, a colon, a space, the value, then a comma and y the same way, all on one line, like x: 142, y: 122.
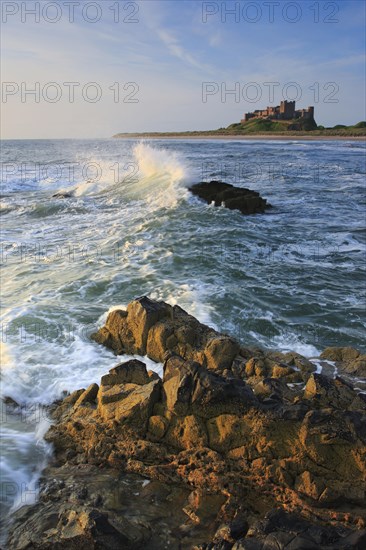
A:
x: 234, y: 530
x: 344, y: 354
x: 227, y: 431
x: 189, y: 388
x: 325, y: 392
x: 348, y: 360
x: 287, y: 531
x: 129, y: 372
x: 132, y: 406
x: 62, y: 195
x: 220, y: 352
x: 234, y: 198
x: 10, y: 402
x: 153, y: 328
x: 88, y: 396
x: 157, y: 426
x: 186, y: 432
x: 295, y: 359
x: 78, y: 528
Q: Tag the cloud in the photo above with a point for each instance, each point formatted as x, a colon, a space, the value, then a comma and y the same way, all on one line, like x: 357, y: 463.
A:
x: 175, y: 49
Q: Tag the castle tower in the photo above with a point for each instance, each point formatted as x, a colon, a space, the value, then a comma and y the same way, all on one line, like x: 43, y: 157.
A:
x: 287, y: 109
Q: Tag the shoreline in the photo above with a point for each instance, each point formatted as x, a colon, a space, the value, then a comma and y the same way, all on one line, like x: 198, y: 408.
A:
x: 260, y: 137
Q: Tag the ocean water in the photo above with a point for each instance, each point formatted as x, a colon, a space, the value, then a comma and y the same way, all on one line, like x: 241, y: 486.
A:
x: 291, y: 279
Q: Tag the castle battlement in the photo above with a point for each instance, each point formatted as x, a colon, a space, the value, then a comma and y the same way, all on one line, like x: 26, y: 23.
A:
x: 285, y: 111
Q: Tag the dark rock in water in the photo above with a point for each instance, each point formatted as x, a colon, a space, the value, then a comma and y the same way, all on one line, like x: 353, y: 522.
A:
x: 234, y: 198
x: 62, y: 195
x: 10, y: 402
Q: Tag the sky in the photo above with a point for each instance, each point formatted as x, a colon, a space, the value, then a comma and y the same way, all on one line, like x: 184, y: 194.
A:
x: 83, y: 69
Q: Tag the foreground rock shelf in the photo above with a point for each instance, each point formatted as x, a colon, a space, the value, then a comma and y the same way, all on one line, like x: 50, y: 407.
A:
x: 235, y: 448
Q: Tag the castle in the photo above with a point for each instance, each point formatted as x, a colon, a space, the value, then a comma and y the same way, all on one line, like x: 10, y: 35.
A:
x: 285, y: 111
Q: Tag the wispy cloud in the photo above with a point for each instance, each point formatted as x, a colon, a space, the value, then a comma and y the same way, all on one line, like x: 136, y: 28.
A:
x: 177, y: 50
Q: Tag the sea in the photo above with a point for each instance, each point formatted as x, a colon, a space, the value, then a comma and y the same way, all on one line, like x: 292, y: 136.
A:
x: 89, y: 225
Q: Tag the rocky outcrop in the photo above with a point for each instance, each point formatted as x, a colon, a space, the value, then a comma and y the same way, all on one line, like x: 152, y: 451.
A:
x: 234, y: 198
x: 152, y: 328
x: 348, y: 360
x: 241, y: 432
x: 62, y: 195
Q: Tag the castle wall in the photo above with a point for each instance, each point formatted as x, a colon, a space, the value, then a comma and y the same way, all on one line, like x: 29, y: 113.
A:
x: 284, y: 111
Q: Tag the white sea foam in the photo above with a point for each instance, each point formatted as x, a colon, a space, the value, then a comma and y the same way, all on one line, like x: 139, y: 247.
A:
x: 156, y: 175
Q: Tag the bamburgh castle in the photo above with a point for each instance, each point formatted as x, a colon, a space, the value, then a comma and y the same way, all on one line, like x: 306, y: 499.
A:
x: 285, y: 111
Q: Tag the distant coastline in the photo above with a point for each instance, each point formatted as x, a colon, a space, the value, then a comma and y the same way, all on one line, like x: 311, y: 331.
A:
x: 265, y: 127
x: 301, y: 136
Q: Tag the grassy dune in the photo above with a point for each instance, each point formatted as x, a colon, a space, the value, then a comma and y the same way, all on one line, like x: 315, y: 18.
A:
x: 261, y: 126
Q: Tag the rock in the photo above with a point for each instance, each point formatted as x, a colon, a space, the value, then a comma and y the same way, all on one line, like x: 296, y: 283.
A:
x: 248, y: 544
x: 81, y: 528
x: 340, y: 354
x: 88, y: 396
x: 62, y: 195
x: 276, y: 388
x: 188, y: 388
x: 203, y: 507
x: 348, y: 360
x: 157, y: 426
x: 146, y: 327
x: 288, y: 531
x: 234, y: 198
x: 325, y: 392
x: 112, y: 394
x: 109, y: 335
x: 132, y: 408
x: 187, y: 432
x: 142, y: 314
x: 220, y: 352
x: 310, y: 485
x: 238, y: 527
x: 155, y: 328
x: 129, y: 372
x: 299, y: 361
x: 279, y: 371
x: 226, y: 432
x: 10, y: 402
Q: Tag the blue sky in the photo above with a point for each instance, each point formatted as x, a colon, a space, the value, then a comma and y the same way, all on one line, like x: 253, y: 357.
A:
x: 183, y: 58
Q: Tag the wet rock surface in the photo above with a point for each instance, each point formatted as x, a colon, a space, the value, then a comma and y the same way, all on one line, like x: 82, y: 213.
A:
x: 255, y: 448
x: 234, y: 198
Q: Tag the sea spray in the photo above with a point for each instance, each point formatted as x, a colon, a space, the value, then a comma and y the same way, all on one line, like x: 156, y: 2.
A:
x: 153, y: 174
